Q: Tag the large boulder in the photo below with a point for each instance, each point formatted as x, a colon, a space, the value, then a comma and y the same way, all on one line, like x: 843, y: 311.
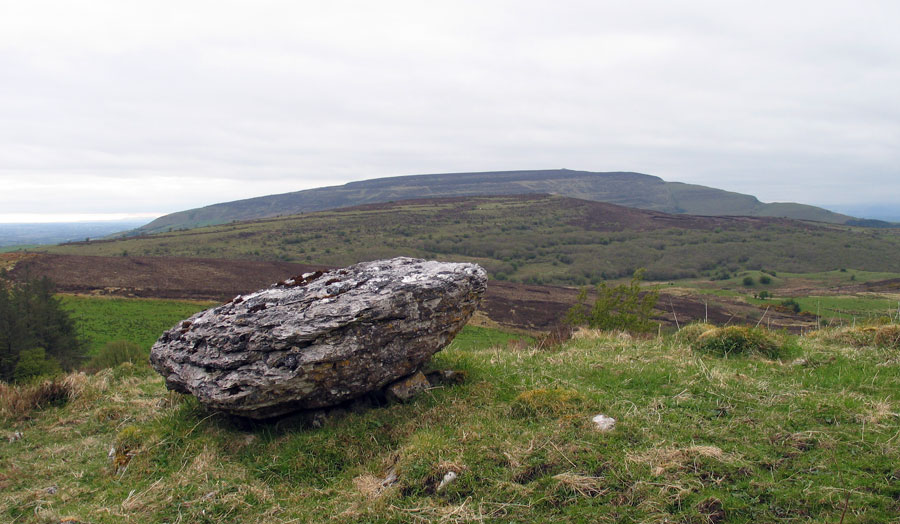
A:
x: 319, y: 339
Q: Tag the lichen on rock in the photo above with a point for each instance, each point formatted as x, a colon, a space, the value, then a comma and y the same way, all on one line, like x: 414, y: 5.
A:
x: 319, y: 339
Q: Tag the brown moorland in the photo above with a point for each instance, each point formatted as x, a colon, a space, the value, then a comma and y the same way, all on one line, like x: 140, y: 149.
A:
x: 526, y: 307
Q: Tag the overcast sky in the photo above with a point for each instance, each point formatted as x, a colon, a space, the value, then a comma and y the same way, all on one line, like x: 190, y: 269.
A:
x: 119, y: 107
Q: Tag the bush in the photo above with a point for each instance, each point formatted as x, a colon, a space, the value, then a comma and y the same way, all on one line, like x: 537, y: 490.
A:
x: 33, y: 363
x: 720, y: 275
x: 624, y: 307
x: 739, y: 340
x: 765, y: 280
x: 748, y: 281
x: 791, y: 304
x: 118, y: 352
x: 691, y: 332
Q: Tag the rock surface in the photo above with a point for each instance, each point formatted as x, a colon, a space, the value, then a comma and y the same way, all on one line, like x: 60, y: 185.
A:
x: 604, y: 423
x: 321, y: 338
x: 408, y: 388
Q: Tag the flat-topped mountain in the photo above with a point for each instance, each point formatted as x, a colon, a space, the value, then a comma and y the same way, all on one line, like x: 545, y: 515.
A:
x: 622, y: 188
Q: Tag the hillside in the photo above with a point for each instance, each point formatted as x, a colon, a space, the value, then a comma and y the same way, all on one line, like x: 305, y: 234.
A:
x: 531, y: 238
x: 811, y: 437
x: 517, y: 306
x: 622, y: 188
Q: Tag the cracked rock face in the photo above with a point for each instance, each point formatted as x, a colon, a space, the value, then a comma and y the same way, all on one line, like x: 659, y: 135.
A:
x: 321, y: 338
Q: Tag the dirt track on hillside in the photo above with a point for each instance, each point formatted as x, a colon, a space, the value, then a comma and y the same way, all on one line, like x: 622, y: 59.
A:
x: 520, y: 306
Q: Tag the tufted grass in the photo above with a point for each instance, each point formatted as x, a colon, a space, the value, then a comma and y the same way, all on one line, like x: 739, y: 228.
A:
x: 699, y: 439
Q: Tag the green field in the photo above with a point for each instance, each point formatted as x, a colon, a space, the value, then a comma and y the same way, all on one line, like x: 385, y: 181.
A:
x: 100, y: 320
x: 859, y: 309
x: 538, y: 239
x: 11, y: 249
x: 699, y: 439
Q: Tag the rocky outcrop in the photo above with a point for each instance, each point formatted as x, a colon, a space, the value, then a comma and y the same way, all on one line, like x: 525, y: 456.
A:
x: 319, y: 339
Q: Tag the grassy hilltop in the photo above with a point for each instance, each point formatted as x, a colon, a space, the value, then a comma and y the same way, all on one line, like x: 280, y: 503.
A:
x: 808, y: 437
x: 533, y: 238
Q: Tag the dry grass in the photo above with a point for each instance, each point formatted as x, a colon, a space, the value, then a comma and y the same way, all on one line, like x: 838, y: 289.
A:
x: 547, y: 401
x: 668, y: 459
x: 584, y: 333
x: 888, y: 336
x: 581, y: 485
x: 879, y: 336
x: 19, y: 400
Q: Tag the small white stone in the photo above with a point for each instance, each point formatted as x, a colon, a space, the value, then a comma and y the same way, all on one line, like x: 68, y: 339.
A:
x: 604, y: 423
x: 448, y: 478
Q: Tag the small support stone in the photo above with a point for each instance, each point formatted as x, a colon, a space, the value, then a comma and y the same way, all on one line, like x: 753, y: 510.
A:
x: 407, y: 388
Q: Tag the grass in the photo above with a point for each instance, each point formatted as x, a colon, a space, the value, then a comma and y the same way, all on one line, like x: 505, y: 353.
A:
x: 538, y: 239
x: 842, y: 308
x: 18, y: 247
x: 698, y: 439
x: 101, y: 320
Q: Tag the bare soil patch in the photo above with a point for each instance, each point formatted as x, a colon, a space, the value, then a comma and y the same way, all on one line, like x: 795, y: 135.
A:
x: 157, y: 277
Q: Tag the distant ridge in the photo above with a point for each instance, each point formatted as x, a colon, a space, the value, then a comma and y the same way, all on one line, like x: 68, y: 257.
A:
x: 618, y: 187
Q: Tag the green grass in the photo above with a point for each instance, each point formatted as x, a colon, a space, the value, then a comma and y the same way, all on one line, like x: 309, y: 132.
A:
x: 698, y: 439
x: 843, y: 277
x: 474, y: 337
x: 100, y: 320
x: 20, y: 247
x: 862, y: 308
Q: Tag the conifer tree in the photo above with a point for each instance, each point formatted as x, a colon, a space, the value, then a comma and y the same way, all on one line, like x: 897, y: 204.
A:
x: 31, y: 317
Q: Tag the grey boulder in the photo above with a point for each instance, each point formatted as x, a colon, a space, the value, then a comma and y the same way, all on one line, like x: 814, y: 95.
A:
x: 319, y: 339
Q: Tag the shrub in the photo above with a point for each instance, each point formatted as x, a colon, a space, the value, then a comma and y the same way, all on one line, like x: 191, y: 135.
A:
x: 625, y: 307
x: 748, y: 281
x: 691, y: 332
x: 33, y: 363
x: 791, y: 304
x: 739, y: 340
x: 118, y: 352
x: 765, y: 280
x: 720, y: 275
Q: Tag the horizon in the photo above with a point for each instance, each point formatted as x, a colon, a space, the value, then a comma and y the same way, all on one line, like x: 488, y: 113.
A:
x: 863, y: 211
